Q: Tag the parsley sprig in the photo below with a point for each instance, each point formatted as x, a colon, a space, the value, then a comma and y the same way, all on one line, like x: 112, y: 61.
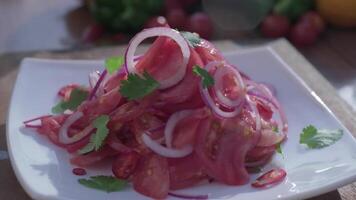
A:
x: 193, y: 39
x: 319, y: 138
x: 137, y: 87
x: 206, y: 78
x: 77, y: 96
x: 113, y: 64
x: 104, y: 183
x: 97, y: 139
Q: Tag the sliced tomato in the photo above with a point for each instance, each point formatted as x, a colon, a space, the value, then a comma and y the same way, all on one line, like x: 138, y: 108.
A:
x: 270, y: 178
x: 146, y: 122
x: 65, y: 91
x: 221, y: 146
x: 185, y: 89
x: 208, y: 52
x: 114, y: 82
x: 230, y: 88
x: 185, y: 172
x: 264, y: 110
x: 151, y: 177
x: 193, y: 103
x: 125, y: 164
x: 132, y: 109
x: 93, y: 157
x: 185, y: 130
x: 162, y: 60
x: 116, y: 144
x: 258, y: 152
x: 105, y: 104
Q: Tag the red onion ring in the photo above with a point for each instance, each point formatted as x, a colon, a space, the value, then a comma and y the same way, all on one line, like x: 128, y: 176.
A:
x: 218, y: 87
x: 159, y: 31
x: 171, y: 124
x: 184, y: 196
x: 255, y: 111
x: 63, y: 131
x: 164, y: 151
x: 215, y: 107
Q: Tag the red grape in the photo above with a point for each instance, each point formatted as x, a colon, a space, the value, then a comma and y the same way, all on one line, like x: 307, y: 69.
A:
x: 275, y: 26
x: 172, y: 4
x: 92, y: 33
x: 200, y: 23
x: 303, y: 34
x: 315, y: 19
x: 176, y: 18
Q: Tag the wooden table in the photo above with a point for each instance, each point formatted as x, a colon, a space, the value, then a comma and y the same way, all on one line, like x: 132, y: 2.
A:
x: 10, y: 189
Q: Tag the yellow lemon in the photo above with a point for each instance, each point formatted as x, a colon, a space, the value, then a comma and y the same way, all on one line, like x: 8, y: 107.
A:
x: 341, y: 13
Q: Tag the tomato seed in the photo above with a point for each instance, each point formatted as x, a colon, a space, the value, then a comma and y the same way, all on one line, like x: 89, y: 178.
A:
x: 79, y: 171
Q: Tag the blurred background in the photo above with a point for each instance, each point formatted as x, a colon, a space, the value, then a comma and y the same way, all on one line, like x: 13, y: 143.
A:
x: 324, y: 31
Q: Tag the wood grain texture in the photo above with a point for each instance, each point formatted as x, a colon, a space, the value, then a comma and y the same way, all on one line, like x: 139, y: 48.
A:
x: 292, y: 57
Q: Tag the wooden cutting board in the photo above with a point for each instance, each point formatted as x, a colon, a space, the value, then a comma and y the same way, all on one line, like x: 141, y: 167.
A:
x: 10, y: 189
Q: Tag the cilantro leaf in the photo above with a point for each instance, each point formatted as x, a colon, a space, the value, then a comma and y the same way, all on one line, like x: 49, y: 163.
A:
x: 114, y: 63
x: 97, y: 139
x: 207, y: 79
x: 275, y: 129
x: 105, y: 183
x: 136, y: 87
x: 319, y: 138
x: 279, y: 149
x: 77, y: 96
x: 192, y: 38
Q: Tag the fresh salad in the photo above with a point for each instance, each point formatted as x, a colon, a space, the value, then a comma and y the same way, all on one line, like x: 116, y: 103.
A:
x: 174, y: 117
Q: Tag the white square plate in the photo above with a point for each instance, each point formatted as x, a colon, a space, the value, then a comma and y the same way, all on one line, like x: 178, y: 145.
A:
x: 45, y: 173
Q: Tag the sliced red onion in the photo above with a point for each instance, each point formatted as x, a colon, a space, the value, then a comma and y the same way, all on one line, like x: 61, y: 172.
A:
x: 63, y: 131
x: 171, y: 124
x: 266, y: 96
x: 270, y: 88
x: 213, y: 64
x: 97, y: 85
x: 186, y: 196
x: 218, y: 86
x: 255, y: 111
x: 270, y: 137
x: 93, y: 78
x: 215, y: 107
x: 159, y: 31
x: 35, y: 119
x: 164, y: 151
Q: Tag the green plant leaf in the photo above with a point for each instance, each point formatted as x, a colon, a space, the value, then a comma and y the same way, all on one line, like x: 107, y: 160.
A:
x: 104, y: 183
x: 319, y: 138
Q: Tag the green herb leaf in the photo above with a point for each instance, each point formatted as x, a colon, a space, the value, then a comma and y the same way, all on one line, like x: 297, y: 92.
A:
x: 77, y: 96
x: 105, y: 183
x: 136, y: 87
x: 97, y: 139
x: 192, y: 38
x: 275, y: 129
x: 207, y: 79
x: 279, y: 149
x: 319, y: 138
x: 114, y: 63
